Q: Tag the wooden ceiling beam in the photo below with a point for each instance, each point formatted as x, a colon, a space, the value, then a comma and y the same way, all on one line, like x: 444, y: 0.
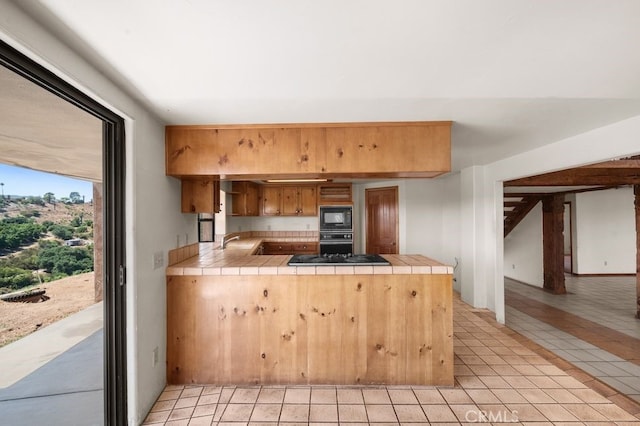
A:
x: 583, y: 176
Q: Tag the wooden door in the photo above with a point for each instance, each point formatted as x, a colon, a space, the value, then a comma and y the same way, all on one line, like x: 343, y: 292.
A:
x: 382, y: 220
x: 271, y: 200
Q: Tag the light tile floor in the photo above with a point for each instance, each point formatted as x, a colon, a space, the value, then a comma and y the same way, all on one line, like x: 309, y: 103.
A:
x: 500, y: 377
x: 608, y: 301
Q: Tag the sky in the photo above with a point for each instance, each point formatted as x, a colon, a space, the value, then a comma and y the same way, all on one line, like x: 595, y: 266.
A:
x: 21, y: 181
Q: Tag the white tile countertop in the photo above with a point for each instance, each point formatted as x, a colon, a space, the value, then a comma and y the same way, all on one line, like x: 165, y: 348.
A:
x: 239, y: 259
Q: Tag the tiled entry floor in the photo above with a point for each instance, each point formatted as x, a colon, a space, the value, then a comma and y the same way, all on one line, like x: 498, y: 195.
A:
x: 498, y: 379
x: 593, y: 326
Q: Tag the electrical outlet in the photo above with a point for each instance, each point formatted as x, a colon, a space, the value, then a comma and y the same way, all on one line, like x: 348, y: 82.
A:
x: 268, y: 227
x: 513, y: 266
x: 158, y: 260
x: 605, y: 263
x: 308, y: 226
x: 154, y: 360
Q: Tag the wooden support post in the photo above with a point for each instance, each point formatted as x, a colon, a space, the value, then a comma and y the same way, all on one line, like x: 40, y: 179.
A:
x: 553, y: 243
x: 636, y: 191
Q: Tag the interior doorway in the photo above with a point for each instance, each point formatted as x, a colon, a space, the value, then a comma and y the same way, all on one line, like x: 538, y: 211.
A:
x: 381, y: 217
x: 112, y: 158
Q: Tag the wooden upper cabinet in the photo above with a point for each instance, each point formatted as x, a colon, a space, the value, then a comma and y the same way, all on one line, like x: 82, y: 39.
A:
x: 200, y: 195
x: 289, y: 200
x: 299, y: 200
x: 244, y: 198
x: 405, y: 149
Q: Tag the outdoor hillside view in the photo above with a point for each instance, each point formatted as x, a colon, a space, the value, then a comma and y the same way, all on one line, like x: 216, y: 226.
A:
x: 46, y: 260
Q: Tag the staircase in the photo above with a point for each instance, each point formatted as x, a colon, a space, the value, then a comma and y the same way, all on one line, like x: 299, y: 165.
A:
x: 516, y: 207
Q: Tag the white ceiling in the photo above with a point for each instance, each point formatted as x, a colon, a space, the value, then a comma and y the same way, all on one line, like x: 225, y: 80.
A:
x: 511, y: 74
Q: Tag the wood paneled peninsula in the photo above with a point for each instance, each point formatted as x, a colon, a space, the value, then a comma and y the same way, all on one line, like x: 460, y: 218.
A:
x: 238, y: 318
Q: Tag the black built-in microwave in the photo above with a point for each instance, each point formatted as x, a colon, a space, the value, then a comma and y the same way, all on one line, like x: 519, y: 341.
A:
x: 336, y: 218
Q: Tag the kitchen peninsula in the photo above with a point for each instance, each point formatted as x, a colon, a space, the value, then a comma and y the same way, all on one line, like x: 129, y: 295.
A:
x: 234, y: 317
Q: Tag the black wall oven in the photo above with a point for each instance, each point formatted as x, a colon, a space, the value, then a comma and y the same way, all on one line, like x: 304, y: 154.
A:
x: 336, y: 230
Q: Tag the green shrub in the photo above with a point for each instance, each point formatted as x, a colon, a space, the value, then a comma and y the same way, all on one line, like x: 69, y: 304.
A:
x: 15, y: 278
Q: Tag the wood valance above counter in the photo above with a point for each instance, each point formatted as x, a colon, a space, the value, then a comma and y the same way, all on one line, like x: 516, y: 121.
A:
x: 328, y: 150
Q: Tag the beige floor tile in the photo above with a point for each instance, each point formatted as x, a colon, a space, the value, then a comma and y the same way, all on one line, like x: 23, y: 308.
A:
x: 519, y: 382
x: 402, y: 396
x: 352, y: 413
x: 205, y: 410
x: 350, y: 396
x: 271, y: 396
x: 201, y: 421
x: 536, y: 396
x: 294, y: 413
x: 163, y: 405
x: 589, y: 396
x: 526, y: 413
x: 237, y: 413
x: 439, y: 413
x: 181, y: 422
x: 505, y: 370
x: 557, y: 413
x: 157, y: 417
x: 376, y: 396
x: 584, y: 412
x: 266, y: 413
x: 466, y: 412
x: 482, y: 396
x: 494, y: 382
x: 323, y: 413
x: 323, y: 396
x: 167, y: 395
x: 455, y: 396
x: 219, y: 411
x: 225, y: 395
x: 544, y: 382
x: 186, y: 402
x: 181, y: 413
x: 409, y: 413
x: 483, y: 370
x: 569, y: 382
x: 189, y: 392
x: 245, y: 396
x: 429, y: 396
x: 208, y: 399
x: 563, y: 396
x: 210, y: 390
x: 381, y: 413
x: 297, y: 396
x: 471, y: 382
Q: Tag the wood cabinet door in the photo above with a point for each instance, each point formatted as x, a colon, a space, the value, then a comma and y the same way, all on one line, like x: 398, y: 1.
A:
x: 200, y: 196
x: 251, y: 199
x: 290, y: 205
x: 271, y: 200
x: 308, y: 201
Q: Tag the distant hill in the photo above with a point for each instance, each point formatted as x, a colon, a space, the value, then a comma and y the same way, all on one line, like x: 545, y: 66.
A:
x: 57, y: 212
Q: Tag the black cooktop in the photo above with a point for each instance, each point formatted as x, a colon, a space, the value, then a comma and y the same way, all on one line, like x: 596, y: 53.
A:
x: 337, y: 259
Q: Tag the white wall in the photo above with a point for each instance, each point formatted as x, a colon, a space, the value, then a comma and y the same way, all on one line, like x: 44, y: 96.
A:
x: 605, y: 232
x: 275, y: 223
x: 153, y: 221
x: 523, y: 250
